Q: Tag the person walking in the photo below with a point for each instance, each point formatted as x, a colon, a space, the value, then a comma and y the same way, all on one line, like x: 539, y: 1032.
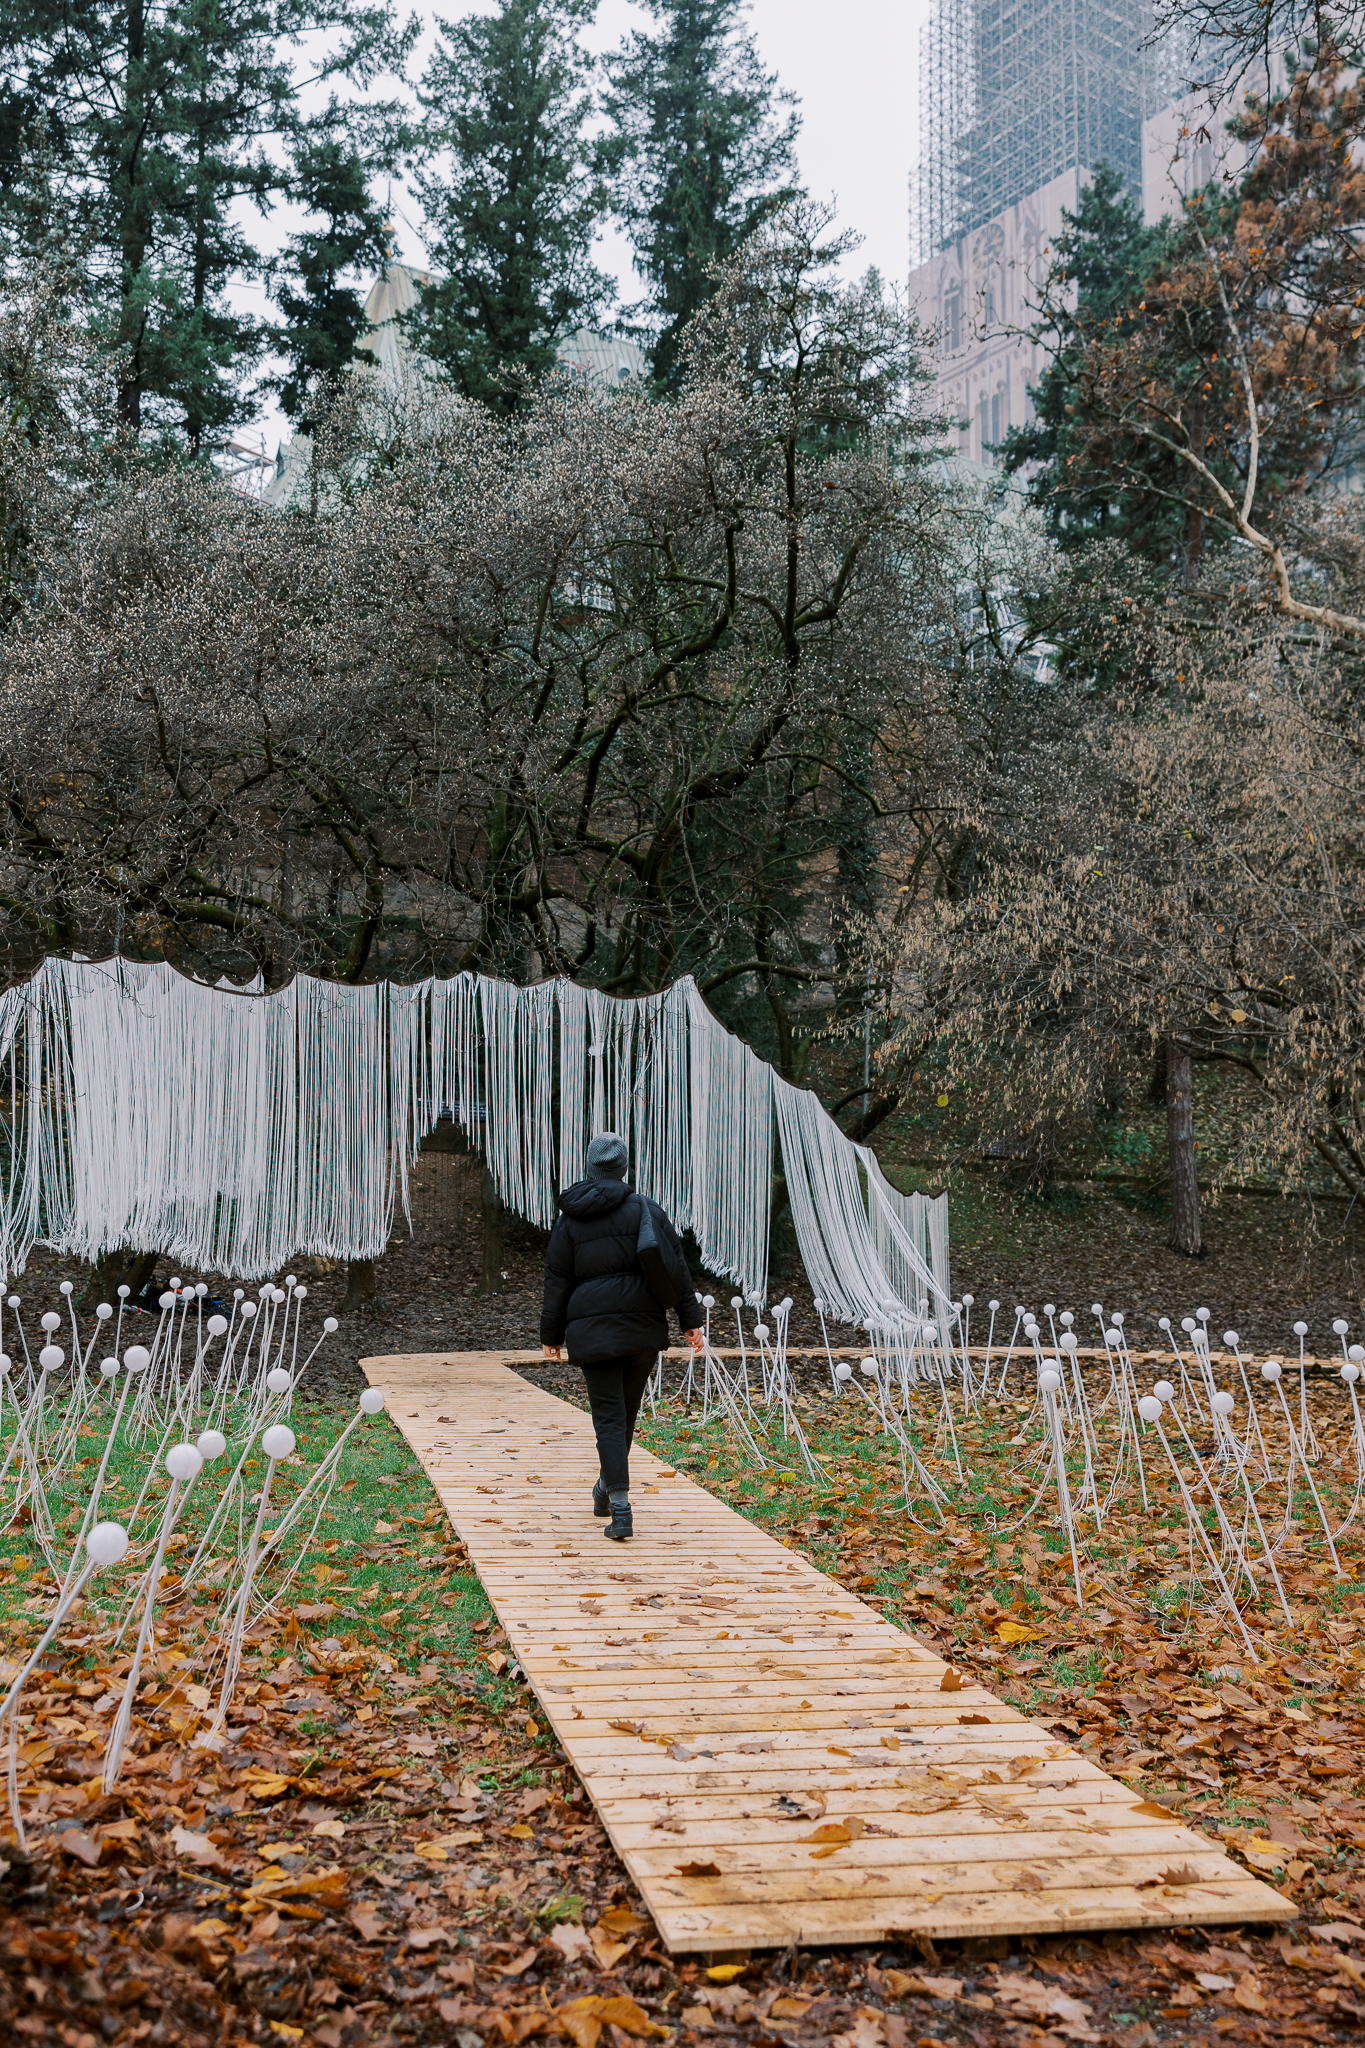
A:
x: 613, y: 1269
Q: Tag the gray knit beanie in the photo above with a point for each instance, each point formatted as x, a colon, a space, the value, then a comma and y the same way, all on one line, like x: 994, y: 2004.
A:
x: 607, y: 1157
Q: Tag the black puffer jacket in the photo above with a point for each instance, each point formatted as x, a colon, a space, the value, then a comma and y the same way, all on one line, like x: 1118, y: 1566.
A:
x: 597, y: 1296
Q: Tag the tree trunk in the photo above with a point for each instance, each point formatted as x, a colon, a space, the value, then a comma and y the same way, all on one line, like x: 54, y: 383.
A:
x: 1184, y: 1236
x: 361, y: 1289
x: 490, y: 1208
x: 134, y: 1269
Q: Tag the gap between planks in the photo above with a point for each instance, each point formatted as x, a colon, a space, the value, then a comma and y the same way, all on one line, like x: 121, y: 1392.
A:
x: 722, y: 1700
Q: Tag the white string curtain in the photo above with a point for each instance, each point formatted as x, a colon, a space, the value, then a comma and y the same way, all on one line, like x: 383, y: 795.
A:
x: 20, y: 1210
x: 915, y: 1263
x: 829, y: 1212
x: 730, y: 1101
x: 233, y: 1130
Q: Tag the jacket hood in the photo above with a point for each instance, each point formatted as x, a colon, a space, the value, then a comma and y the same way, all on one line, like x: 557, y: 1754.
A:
x: 593, y: 1197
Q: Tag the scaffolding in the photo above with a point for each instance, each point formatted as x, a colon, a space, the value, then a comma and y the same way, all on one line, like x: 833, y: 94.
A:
x: 1014, y: 92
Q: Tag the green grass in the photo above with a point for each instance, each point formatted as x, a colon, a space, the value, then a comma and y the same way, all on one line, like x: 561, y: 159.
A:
x: 382, y: 1548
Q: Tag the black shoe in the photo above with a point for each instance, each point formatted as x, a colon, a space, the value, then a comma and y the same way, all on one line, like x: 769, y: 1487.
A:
x: 601, y: 1506
x: 621, y: 1526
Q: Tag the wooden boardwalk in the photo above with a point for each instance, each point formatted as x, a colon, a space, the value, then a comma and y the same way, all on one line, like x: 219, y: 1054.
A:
x: 774, y: 1761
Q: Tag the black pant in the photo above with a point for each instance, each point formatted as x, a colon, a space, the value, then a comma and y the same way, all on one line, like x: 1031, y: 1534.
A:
x: 615, y: 1389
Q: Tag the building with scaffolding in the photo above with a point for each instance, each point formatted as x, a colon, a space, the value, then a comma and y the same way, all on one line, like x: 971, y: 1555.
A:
x: 1019, y: 100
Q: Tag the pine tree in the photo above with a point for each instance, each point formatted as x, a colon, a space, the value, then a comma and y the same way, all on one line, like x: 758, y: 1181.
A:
x: 324, y: 313
x: 153, y: 117
x: 510, y: 194
x: 1100, y: 262
x: 703, y: 148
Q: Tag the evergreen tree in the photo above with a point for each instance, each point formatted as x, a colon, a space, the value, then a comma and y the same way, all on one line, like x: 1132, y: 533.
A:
x: 510, y: 195
x: 154, y: 117
x: 702, y: 148
x: 1093, y: 288
x: 324, y: 313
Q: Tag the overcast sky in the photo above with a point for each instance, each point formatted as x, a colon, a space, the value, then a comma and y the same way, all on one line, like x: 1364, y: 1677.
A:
x: 852, y: 67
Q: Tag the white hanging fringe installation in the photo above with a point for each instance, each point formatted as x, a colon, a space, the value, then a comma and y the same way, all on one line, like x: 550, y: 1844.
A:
x: 144, y: 1111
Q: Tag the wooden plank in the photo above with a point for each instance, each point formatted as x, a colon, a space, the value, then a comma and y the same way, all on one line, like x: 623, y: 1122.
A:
x: 722, y: 1700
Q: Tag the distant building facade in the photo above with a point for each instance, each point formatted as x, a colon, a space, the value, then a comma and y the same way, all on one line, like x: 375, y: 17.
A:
x: 1019, y: 100
x: 606, y: 360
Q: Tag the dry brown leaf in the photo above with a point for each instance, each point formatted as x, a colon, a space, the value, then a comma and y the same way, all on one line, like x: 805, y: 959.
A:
x: 426, y: 1937
x: 198, y: 1848
x: 571, y: 1941
x: 519, y: 1964
x: 607, y: 1951
x: 80, y: 1845
x: 623, y: 1920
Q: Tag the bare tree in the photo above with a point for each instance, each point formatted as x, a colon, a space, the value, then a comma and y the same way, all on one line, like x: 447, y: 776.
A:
x: 1176, y: 869
x: 613, y: 688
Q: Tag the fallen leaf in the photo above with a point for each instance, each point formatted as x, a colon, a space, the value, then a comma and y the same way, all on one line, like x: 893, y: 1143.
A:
x: 1016, y: 1632
x: 584, y: 2018
x: 281, y: 1884
x: 1155, y: 1809
x: 80, y: 1845
x: 517, y: 1964
x: 607, y: 1951
x: 1043, y: 2001
x: 620, y: 1920
x: 522, y: 1833
x: 367, y: 1923
x: 572, y: 1942
x: 950, y: 1681
x: 726, y: 1973
x: 789, y: 2008
x: 865, y: 2032
x: 330, y: 1830
x: 426, y: 1937
x: 920, y: 1986
x: 698, y: 1870
x: 1248, y: 1996
x: 438, y: 1847
x: 267, y: 1784
x: 198, y: 1848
